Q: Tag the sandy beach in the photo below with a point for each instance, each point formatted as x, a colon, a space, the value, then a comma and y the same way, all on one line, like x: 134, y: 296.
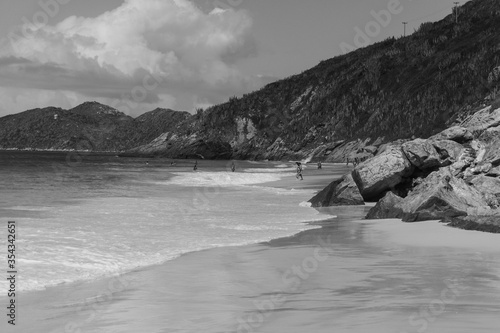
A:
x: 351, y: 275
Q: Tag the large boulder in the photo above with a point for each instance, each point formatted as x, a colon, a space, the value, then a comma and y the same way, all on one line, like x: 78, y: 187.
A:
x: 342, y: 192
x: 381, y: 173
x: 490, y: 134
x: 422, y: 154
x: 482, y: 120
x: 387, y: 207
x: 371, y: 149
x: 492, y: 152
x: 494, y: 172
x: 430, y: 154
x: 439, y: 196
x: 449, y: 151
x: 457, y: 133
x: 484, y: 184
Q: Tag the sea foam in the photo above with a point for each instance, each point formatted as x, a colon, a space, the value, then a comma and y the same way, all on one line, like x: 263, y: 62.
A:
x: 223, y: 178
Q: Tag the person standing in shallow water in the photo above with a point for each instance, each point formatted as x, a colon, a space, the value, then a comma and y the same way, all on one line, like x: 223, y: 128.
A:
x: 233, y: 167
x: 195, y: 166
x: 299, y: 171
x: 320, y: 166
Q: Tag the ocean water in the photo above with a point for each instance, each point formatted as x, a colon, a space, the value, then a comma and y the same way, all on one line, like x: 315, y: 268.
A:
x: 84, y: 217
x: 104, y: 223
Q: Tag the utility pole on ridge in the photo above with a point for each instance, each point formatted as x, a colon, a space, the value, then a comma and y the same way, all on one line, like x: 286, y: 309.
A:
x: 456, y: 11
x: 405, y: 23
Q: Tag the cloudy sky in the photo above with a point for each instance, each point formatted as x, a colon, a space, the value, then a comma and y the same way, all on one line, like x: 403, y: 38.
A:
x: 137, y: 55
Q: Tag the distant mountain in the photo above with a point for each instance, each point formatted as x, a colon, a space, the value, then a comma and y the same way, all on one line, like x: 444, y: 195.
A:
x: 398, y: 88
x: 89, y: 126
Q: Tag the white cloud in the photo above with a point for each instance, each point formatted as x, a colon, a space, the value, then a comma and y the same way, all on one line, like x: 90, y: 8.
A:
x: 26, y: 99
x: 110, y: 55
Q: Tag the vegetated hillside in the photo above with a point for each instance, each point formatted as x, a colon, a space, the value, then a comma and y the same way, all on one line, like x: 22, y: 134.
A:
x: 89, y: 126
x: 397, y: 88
x: 152, y: 124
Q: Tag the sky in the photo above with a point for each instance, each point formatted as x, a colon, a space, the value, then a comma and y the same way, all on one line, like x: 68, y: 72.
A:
x: 137, y: 55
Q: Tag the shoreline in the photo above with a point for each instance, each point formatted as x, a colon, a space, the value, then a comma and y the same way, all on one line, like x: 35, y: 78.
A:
x: 226, y: 284
x: 82, y: 299
x: 312, y: 182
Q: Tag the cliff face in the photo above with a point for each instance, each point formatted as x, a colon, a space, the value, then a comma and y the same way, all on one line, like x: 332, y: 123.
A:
x: 90, y: 126
x: 399, y: 88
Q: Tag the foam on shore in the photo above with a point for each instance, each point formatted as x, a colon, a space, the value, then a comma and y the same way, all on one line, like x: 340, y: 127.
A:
x: 212, y: 179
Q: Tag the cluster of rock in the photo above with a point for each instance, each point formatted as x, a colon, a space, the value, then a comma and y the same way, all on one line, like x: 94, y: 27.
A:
x: 453, y: 176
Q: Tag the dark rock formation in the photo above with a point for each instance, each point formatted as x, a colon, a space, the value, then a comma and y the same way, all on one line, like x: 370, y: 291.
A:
x: 440, y: 195
x: 489, y: 187
x: 342, y: 192
x: 456, y: 133
x: 382, y: 173
x: 494, y: 172
x: 422, y: 154
x: 489, y: 224
x: 387, y: 207
x: 439, y: 178
x: 449, y: 151
x: 492, y: 154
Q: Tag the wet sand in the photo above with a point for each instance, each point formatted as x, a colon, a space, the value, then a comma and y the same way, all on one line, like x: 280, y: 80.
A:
x: 351, y: 275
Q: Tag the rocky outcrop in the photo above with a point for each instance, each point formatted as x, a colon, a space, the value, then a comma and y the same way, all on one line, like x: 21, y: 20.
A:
x: 494, y: 172
x: 489, y: 224
x: 422, y: 154
x: 382, y: 173
x: 456, y: 133
x: 441, y: 195
x: 387, y: 207
x: 482, y: 120
x: 492, y: 152
x: 449, y: 151
x: 453, y: 176
x: 342, y: 192
x: 489, y: 187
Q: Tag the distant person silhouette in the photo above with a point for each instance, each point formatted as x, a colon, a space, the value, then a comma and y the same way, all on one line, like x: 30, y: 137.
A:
x: 195, y: 166
x: 320, y: 166
x: 299, y: 171
x: 233, y: 167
